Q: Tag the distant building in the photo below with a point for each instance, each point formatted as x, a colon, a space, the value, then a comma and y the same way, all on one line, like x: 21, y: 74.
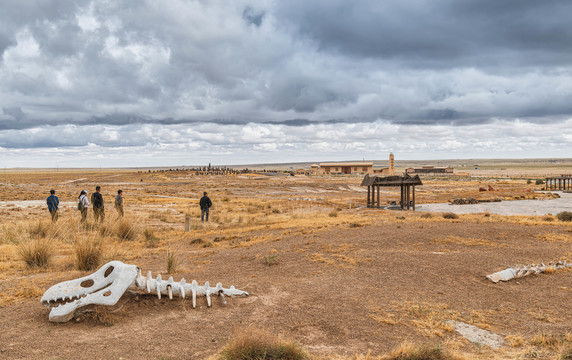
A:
x: 387, y: 170
x: 346, y: 168
x: 429, y: 170
x: 314, y: 169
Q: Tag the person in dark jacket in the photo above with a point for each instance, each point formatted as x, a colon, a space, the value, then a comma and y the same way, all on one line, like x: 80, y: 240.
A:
x: 53, y: 203
x: 205, y: 204
x: 119, y: 203
x: 97, y: 201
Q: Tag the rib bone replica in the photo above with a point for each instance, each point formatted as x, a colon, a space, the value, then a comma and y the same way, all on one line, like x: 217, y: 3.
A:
x: 525, y: 270
x: 112, y: 280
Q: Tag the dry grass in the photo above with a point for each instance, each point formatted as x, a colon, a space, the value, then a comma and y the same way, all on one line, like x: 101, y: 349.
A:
x: 88, y: 253
x: 172, y: 261
x: 36, y: 253
x: 450, y: 215
x: 564, y: 216
x: 151, y: 240
x: 408, y: 351
x: 125, y: 229
x: 457, y: 240
x: 256, y: 344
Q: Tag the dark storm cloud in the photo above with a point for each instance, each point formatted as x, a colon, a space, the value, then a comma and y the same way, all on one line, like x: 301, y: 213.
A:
x: 440, y: 33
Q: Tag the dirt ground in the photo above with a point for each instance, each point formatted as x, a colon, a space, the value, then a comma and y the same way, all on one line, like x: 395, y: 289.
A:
x: 340, y: 281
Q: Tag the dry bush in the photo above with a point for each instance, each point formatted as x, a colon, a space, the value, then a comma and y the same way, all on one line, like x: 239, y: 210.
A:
x: 88, y: 253
x: 564, y: 216
x: 450, y: 215
x: 172, y: 262
x: 39, y: 229
x: 36, y: 252
x: 271, y: 259
x: 255, y: 344
x: 125, y: 230
x: 426, y: 215
x: 333, y: 213
x: 151, y: 240
x: 547, y: 218
x: 424, y: 352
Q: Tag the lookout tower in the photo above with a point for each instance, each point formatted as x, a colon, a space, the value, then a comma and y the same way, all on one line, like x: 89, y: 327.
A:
x: 391, y: 164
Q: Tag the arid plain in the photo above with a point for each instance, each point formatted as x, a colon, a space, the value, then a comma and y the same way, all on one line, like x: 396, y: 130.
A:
x: 343, y: 281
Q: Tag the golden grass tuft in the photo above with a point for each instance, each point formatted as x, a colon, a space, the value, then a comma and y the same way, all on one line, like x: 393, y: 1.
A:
x: 256, y: 344
x: 151, y: 240
x: 564, y: 216
x: 36, y: 253
x: 450, y: 215
x: 88, y: 253
x: 125, y: 230
x: 172, y: 261
x: 407, y: 351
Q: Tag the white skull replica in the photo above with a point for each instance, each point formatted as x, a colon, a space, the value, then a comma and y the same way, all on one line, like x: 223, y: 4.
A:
x: 108, y: 284
x: 525, y: 270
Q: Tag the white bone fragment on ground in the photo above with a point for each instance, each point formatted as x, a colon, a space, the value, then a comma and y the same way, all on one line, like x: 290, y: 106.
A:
x: 478, y: 335
x: 108, y: 284
x: 524, y: 270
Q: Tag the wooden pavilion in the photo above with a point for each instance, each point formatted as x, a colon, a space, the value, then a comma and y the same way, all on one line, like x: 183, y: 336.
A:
x: 406, y: 183
x: 562, y: 182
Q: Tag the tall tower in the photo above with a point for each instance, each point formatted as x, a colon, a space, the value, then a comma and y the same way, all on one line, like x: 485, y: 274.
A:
x: 391, y: 164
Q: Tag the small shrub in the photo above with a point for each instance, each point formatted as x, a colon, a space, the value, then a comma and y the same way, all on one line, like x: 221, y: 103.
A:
x: 426, y: 215
x: 547, y: 218
x: 197, y: 241
x: 333, y: 213
x: 424, y: 352
x: 40, y: 229
x: 450, y: 215
x: 539, y: 181
x: 254, y: 344
x: 208, y: 244
x: 271, y: 259
x: 150, y: 239
x: 36, y: 253
x: 125, y: 230
x: 88, y: 254
x: 172, y: 262
x: 276, y: 211
x: 529, y: 181
x: 355, y: 225
x: 486, y: 214
x: 564, y: 216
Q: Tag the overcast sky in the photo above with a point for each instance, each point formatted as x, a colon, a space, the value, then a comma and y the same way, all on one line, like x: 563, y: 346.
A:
x: 188, y: 82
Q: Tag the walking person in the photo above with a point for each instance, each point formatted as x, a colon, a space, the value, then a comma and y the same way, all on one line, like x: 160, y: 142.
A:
x: 97, y: 202
x: 53, y: 203
x: 119, y: 203
x: 205, y: 204
x: 82, y: 205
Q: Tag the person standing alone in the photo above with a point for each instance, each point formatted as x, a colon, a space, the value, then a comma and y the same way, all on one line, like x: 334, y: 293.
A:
x: 53, y: 203
x: 119, y: 203
x: 205, y: 204
x: 97, y: 201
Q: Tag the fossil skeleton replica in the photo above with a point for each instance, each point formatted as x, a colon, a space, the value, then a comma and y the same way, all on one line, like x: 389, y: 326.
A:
x: 516, y: 271
x: 108, y: 284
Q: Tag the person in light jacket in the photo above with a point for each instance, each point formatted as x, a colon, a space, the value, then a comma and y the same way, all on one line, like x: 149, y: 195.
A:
x: 83, y: 205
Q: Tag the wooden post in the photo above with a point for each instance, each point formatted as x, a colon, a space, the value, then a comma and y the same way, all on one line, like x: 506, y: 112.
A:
x: 378, y: 203
x: 413, y: 197
x: 187, y: 223
x: 368, y: 191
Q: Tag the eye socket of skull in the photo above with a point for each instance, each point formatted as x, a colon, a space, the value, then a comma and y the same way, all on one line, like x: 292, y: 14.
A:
x: 108, y: 271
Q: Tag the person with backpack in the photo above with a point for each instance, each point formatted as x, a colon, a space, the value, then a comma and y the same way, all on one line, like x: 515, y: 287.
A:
x: 119, y: 203
x: 97, y: 202
x: 53, y: 203
x: 205, y: 203
x: 82, y: 205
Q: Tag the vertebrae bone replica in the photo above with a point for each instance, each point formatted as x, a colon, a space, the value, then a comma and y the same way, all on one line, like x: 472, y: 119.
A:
x: 108, y: 284
x: 525, y: 270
